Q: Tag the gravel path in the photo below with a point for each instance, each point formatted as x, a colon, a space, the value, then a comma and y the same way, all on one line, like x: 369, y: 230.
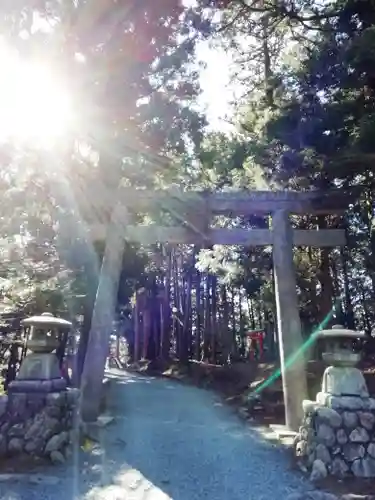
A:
x: 168, y: 441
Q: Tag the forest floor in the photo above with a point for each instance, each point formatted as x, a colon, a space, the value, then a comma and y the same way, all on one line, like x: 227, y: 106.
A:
x: 236, y: 382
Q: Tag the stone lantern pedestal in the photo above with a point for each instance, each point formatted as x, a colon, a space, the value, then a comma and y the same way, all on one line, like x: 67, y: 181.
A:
x: 39, y: 416
x: 337, y: 435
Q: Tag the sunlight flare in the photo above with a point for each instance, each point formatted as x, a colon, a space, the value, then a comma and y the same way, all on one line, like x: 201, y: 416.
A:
x: 34, y: 106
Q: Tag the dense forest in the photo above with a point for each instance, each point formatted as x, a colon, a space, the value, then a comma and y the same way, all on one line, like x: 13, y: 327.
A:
x: 304, y: 121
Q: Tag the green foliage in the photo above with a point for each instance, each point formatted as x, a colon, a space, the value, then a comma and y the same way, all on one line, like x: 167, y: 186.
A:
x: 134, y: 89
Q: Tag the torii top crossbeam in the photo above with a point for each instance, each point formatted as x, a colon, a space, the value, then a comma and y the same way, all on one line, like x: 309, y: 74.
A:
x: 232, y: 202
x: 193, y: 212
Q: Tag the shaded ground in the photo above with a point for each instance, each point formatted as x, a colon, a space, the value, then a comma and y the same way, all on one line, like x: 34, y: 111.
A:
x: 234, y: 382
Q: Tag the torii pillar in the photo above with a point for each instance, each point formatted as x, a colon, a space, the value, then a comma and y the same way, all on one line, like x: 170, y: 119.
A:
x: 288, y: 320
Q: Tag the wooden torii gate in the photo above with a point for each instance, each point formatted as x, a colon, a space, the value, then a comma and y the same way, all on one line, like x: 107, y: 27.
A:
x: 194, y: 212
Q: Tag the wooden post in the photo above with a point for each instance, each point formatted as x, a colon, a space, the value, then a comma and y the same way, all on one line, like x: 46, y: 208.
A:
x: 103, y: 314
x: 288, y: 321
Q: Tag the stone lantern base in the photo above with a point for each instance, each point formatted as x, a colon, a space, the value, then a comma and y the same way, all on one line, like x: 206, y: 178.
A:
x: 39, y: 372
x: 39, y: 366
x: 337, y: 438
x: 39, y: 424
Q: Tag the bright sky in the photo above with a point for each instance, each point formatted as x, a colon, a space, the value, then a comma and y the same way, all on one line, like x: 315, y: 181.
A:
x: 217, y: 89
x: 215, y: 82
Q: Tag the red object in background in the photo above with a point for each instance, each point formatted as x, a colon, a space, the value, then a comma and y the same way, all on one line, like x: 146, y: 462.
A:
x: 64, y: 370
x: 256, y: 336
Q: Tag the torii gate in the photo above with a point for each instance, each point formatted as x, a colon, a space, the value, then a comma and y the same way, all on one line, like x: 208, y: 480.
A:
x: 194, y: 212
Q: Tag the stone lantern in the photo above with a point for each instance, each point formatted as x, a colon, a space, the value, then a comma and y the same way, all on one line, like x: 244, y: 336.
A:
x: 337, y: 434
x: 40, y: 370
x: 341, y: 378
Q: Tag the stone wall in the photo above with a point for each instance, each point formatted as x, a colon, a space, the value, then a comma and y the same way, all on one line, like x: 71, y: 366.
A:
x: 340, y: 442
x: 38, y: 424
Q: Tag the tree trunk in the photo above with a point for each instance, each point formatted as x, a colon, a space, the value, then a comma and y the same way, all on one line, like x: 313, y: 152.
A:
x: 186, y: 330
x: 251, y: 312
x: 199, y: 317
x: 226, y: 332
x: 233, y: 311
x: 167, y: 326
x: 349, y: 312
x: 207, y: 313
x: 103, y: 315
x: 269, y: 97
x: 213, y: 318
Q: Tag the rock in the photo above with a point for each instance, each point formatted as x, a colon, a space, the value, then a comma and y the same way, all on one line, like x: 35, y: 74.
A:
x: 346, y: 403
x: 17, y: 403
x: 310, y: 458
x: 4, y: 428
x: 353, y: 451
x: 319, y: 471
x: 72, y: 396
x: 35, y: 403
x: 307, y: 421
x: 51, y: 426
x: 15, y: 445
x: 336, y: 450
x: 243, y: 412
x: 57, y: 457
x: 364, y: 467
x: 301, y: 449
x: 56, y: 442
x: 68, y: 452
x: 53, y: 398
x: 322, y: 453
x: 43, y: 427
x: 307, y: 433
x: 3, y: 404
x: 17, y: 430
x: 329, y: 416
x: 325, y: 435
x: 350, y: 419
x: 341, y: 437
x: 359, y: 435
x: 339, y: 468
x: 53, y: 411
x: 296, y: 440
x: 371, y: 450
x: 34, y: 447
x: 367, y: 420
x: 56, y: 399
x: 35, y: 427
x: 3, y: 445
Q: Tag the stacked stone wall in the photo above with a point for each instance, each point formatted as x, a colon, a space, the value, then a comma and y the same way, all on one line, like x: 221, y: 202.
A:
x: 38, y: 424
x: 339, y: 442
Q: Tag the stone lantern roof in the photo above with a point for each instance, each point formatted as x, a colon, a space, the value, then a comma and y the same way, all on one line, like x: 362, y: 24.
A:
x: 47, y: 320
x: 339, y: 331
